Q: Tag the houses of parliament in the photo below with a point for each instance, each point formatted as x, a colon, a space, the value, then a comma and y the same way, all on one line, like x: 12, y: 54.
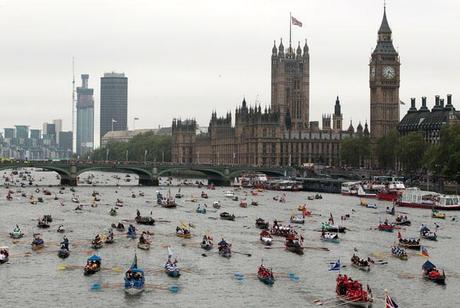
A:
x: 282, y: 134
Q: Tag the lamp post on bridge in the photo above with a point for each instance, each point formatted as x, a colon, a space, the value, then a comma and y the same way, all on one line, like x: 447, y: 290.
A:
x: 145, y: 157
x: 127, y: 151
x: 107, y: 154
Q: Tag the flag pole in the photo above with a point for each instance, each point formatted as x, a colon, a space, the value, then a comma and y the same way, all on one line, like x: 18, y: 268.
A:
x: 290, y: 26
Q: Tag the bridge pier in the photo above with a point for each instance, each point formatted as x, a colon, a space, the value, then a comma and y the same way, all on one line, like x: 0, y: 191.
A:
x: 68, y: 181
x: 149, y: 182
x: 219, y: 181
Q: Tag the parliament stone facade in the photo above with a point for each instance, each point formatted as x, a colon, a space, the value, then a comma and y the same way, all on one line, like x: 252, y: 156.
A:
x: 282, y: 134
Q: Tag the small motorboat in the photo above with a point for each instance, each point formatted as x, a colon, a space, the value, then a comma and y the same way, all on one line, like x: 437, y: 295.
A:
x: 216, y: 205
x: 235, y: 198
x: 93, y: 265
x: 332, y: 228
x: 390, y: 211
x: 43, y: 224
x: 243, y: 203
x: 266, y: 238
x: 399, y: 253
x: 229, y: 194
x: 109, y: 239
x: 201, y: 209
x: 318, y: 197
x: 386, y: 227
x: 330, y: 237
x: 113, y: 212
x: 430, y: 272
x: 297, y: 219
x: 143, y: 246
x: 134, y: 279
x: 254, y: 203
x: 4, y: 254
x: 437, y: 214
x: 262, y: 224
x: 47, y: 218
x: 60, y: 229
x: 402, y: 221
x: 144, y: 220
x: 119, y: 203
x: 428, y: 234
x: 183, y: 232
x: 75, y: 200
x: 227, y: 216
x: 119, y: 227
x: 265, y: 275
x: 204, y: 195
x: 206, y: 243
x: 361, y: 264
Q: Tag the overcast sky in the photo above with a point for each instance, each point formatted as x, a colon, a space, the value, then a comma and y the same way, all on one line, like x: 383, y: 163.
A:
x: 187, y: 58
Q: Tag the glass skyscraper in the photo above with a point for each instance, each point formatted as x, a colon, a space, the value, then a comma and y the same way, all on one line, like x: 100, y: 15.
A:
x: 114, y: 103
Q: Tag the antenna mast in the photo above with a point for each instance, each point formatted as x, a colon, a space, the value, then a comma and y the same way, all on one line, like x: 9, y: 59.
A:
x: 73, y: 107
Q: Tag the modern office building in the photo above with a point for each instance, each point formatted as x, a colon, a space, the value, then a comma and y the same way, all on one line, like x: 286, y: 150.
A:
x: 57, y: 128
x: 114, y: 103
x: 35, y: 134
x: 9, y: 133
x: 65, y: 144
x: 85, y: 117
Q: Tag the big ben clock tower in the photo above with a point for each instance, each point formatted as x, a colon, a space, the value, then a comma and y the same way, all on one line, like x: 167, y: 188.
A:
x: 384, y: 83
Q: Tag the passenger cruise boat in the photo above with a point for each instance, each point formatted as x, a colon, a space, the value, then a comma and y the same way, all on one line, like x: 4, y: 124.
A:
x: 416, y: 198
x: 350, y: 188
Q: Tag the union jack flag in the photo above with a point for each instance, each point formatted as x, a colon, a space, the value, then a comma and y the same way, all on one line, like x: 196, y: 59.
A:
x: 424, y: 251
x: 296, y: 22
x: 389, y: 302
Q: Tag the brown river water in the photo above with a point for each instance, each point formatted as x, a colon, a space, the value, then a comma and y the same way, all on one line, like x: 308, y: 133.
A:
x: 33, y: 279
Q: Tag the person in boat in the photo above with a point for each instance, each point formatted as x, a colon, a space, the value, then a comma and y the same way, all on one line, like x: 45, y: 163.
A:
x: 60, y: 228
x: 222, y: 244
x: 17, y: 229
x: 131, y: 229
x: 142, y: 239
x: 65, y: 243
x: 110, y: 235
x: 120, y: 226
x: 138, y: 213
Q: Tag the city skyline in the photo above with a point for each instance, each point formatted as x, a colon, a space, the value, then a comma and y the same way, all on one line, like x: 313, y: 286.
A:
x: 232, y: 61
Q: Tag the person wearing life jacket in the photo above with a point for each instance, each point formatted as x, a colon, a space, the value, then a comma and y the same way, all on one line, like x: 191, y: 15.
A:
x: 65, y: 243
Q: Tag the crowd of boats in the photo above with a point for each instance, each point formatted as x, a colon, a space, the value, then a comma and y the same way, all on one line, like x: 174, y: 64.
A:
x: 348, y: 290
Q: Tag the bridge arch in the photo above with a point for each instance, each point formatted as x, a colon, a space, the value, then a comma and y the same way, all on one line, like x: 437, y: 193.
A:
x: 145, y: 177
x: 269, y: 172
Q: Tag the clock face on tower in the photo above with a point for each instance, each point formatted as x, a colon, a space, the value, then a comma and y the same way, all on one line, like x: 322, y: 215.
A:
x: 388, y: 72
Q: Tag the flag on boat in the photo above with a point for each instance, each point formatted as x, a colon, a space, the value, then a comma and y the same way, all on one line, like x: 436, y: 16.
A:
x: 334, y: 266
x: 296, y: 22
x: 424, y: 251
x: 134, y: 265
x: 389, y: 302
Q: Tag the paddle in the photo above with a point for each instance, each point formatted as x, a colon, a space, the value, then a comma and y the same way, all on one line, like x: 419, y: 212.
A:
x: 242, y: 253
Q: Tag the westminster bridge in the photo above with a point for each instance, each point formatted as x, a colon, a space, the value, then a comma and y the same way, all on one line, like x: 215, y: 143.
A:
x: 148, y: 172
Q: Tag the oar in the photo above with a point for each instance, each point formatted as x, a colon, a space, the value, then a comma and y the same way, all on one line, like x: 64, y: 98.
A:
x: 242, y: 253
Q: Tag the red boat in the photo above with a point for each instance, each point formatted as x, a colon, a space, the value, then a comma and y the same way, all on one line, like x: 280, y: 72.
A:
x: 387, y: 195
x: 351, y: 292
x: 386, y: 227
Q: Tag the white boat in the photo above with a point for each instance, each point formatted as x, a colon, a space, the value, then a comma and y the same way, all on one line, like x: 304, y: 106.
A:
x: 297, y: 219
x: 349, y: 188
x: 416, y: 198
x: 229, y: 194
x: 363, y: 193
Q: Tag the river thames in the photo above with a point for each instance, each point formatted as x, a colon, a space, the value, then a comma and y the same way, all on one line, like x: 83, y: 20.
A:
x: 34, y: 279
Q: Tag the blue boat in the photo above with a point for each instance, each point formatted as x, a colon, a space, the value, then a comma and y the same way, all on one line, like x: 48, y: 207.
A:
x: 201, y: 210
x: 93, y: 265
x: 134, y: 279
x: 171, y: 268
x: 131, y: 232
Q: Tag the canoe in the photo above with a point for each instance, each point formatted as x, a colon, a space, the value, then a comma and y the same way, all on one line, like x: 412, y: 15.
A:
x: 206, y: 245
x: 227, y: 216
x: 90, y: 271
x: 145, y: 220
x: 295, y: 249
x: 354, y: 303
x: 429, y: 235
x: 399, y: 253
x: 364, y: 268
x: 386, y: 227
x: 330, y: 237
x: 402, y: 223
x: 440, y: 279
x: 184, y: 235
x: 36, y: 247
x: 145, y: 246
x: 16, y: 235
x: 173, y: 272
x: 225, y: 252
x: 201, y: 210
x: 268, y: 280
x: 262, y: 224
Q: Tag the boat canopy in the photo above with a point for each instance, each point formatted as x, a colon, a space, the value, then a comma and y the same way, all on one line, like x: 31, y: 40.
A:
x: 94, y: 258
x: 428, y: 266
